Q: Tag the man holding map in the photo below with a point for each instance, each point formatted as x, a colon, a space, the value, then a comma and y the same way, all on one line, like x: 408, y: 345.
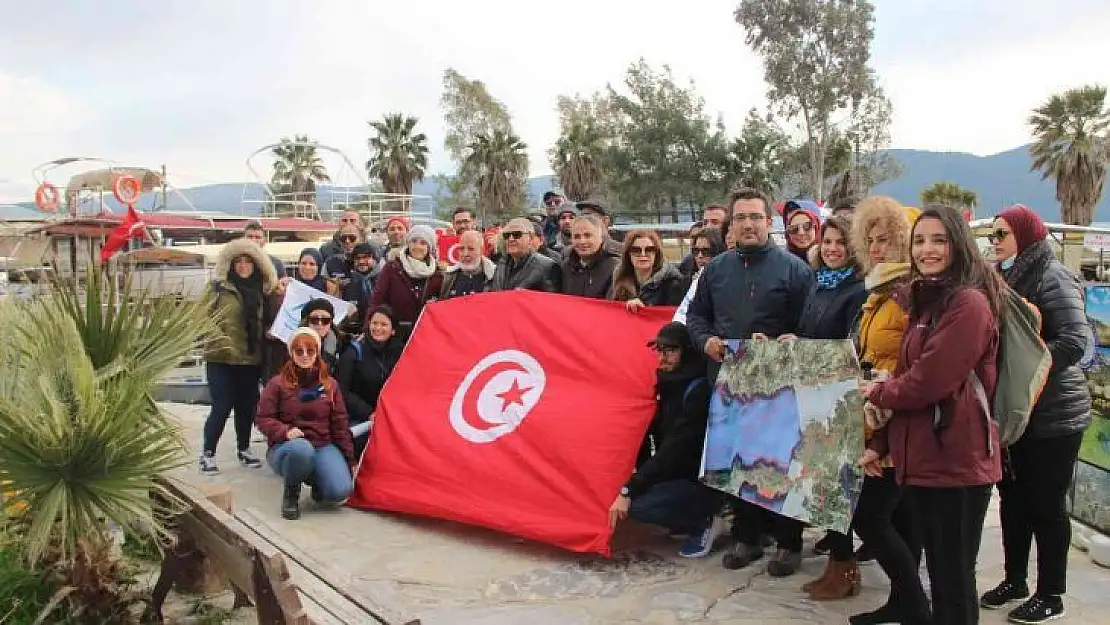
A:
x: 754, y: 291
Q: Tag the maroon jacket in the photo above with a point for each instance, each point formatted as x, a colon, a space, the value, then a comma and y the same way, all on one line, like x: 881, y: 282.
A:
x: 394, y: 287
x: 934, y: 369
x: 322, y: 420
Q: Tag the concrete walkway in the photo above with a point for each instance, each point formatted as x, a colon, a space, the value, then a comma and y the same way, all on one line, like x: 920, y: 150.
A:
x: 449, y: 574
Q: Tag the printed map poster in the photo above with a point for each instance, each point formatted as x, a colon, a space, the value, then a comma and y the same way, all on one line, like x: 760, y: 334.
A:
x: 1089, y: 500
x: 786, y: 429
x: 297, y: 294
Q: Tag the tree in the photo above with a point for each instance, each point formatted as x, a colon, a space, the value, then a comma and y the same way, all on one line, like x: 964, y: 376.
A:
x: 950, y: 194
x: 398, y: 155
x: 577, y: 159
x: 297, y: 169
x: 468, y: 111
x: 667, y: 153
x: 815, y: 55
x: 498, y: 163
x: 759, y: 158
x: 1070, y: 145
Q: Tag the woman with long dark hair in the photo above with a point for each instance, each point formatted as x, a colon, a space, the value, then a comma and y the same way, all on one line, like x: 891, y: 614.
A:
x: 1039, y: 469
x: 233, y: 360
x: 304, y: 419
x: 364, y: 368
x: 943, y: 445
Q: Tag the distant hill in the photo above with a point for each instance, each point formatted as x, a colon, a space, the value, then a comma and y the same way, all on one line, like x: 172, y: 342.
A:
x: 1000, y: 180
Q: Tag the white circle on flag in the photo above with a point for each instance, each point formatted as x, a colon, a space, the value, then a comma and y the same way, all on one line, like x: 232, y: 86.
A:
x: 496, y: 395
x: 453, y: 254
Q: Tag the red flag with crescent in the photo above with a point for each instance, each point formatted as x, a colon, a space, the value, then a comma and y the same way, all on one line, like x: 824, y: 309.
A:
x: 530, y: 422
x: 132, y: 226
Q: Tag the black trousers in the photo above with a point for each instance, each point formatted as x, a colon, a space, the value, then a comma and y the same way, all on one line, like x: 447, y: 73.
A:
x: 874, y: 503
x: 951, y: 523
x: 1034, y: 490
x: 231, y: 387
x: 874, y: 524
x: 752, y: 522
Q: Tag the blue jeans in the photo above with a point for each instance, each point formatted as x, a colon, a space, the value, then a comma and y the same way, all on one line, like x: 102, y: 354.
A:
x: 677, y: 504
x: 231, y: 387
x: 297, y: 461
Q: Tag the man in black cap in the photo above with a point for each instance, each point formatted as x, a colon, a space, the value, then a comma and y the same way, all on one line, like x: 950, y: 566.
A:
x: 665, y: 489
x: 597, y: 208
x: 553, y: 201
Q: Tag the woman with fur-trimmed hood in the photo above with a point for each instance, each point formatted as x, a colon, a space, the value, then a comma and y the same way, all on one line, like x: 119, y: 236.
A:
x: 234, y: 358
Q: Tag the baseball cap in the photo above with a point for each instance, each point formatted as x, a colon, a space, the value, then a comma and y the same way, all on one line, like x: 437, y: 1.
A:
x: 593, y: 205
x: 674, y: 334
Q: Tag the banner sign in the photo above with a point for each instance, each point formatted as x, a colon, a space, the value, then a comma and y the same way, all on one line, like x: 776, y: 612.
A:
x: 297, y: 294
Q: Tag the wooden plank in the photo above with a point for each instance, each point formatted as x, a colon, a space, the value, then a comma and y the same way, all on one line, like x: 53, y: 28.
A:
x: 342, y: 583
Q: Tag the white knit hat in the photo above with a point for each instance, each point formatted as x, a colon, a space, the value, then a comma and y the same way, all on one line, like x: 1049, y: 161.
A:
x: 425, y: 234
x: 309, y: 332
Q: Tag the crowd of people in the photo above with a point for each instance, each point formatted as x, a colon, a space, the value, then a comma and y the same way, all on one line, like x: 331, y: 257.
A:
x: 908, y: 286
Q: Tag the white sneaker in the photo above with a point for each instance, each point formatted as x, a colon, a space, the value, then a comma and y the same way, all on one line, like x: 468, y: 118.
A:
x: 208, y: 464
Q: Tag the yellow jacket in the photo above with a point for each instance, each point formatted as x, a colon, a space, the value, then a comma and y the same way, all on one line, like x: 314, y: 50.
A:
x: 883, y: 319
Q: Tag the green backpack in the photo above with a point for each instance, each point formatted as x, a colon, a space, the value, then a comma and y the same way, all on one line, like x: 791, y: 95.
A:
x: 1023, y: 366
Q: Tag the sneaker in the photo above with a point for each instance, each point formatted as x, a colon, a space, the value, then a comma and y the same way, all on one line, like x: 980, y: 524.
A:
x: 208, y: 464
x: 248, y: 459
x: 823, y: 546
x: 1002, y: 594
x: 865, y: 555
x: 700, y: 544
x: 1038, y: 610
x: 784, y: 563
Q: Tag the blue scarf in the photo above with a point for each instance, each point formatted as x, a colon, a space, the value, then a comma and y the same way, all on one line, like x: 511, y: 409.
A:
x: 831, y: 278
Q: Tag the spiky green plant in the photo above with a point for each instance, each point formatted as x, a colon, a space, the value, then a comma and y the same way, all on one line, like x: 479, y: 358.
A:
x: 81, y: 438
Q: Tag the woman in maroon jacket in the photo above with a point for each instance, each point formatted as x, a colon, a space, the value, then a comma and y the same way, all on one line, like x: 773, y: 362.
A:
x: 303, y: 417
x: 943, y: 445
x: 410, y: 279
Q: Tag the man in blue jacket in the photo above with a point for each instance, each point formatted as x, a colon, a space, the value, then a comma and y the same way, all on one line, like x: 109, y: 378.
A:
x: 755, y: 291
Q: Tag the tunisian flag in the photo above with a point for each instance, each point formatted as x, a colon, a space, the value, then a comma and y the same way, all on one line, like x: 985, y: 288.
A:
x: 518, y: 411
x: 131, y: 226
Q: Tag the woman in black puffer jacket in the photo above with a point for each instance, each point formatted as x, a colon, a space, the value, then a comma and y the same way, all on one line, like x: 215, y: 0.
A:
x: 1038, y: 469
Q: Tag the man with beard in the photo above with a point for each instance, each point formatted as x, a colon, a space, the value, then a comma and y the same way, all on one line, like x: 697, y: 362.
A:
x: 553, y: 202
x: 473, y: 273
x: 664, y: 489
x: 756, y: 291
x: 363, y: 271
x: 396, y: 229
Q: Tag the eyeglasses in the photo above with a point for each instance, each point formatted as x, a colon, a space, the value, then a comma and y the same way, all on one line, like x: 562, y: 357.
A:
x: 701, y: 251
x: 806, y: 227
x: 642, y: 251
x: 302, y: 352
x: 997, y: 236
x: 319, y: 321
x: 512, y: 235
x: 348, y: 238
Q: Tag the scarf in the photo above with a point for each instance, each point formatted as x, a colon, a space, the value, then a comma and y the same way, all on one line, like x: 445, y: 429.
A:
x: 416, y: 269
x: 831, y: 278
x: 250, y: 299
x: 1028, y: 267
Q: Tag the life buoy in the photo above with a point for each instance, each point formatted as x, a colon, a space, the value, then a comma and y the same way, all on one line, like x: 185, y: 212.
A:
x: 48, y: 198
x: 127, y: 189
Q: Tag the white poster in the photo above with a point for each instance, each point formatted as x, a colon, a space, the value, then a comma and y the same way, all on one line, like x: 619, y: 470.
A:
x: 297, y: 294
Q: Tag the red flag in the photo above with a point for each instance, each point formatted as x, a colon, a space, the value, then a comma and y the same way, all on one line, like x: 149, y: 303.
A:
x: 530, y: 425
x: 448, y: 245
x: 131, y: 226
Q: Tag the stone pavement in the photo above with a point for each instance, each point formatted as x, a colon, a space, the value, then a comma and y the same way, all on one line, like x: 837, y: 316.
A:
x: 449, y: 574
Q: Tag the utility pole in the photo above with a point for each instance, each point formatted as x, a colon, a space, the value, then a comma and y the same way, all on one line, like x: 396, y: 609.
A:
x: 165, y: 204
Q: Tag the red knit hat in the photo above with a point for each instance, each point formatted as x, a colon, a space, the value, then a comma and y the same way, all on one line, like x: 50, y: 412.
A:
x: 403, y: 221
x: 1026, y: 225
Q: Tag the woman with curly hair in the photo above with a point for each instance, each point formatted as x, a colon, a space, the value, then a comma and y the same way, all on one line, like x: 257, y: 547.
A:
x: 644, y: 277
x: 304, y: 419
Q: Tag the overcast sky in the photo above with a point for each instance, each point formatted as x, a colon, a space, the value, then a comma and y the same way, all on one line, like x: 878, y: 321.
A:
x: 200, y: 84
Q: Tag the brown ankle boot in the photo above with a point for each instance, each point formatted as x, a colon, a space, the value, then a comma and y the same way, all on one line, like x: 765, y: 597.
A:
x: 843, y: 582
x: 810, y: 585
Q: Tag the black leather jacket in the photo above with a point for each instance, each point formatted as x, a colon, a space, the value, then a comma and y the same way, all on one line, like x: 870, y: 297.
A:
x: 536, y: 272
x: 1065, y: 403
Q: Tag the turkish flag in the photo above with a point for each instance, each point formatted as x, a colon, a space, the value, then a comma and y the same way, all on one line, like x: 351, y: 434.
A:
x: 529, y: 424
x: 131, y: 226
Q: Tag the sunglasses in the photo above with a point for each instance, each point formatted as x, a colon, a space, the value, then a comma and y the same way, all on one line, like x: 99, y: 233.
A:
x: 319, y: 321
x: 302, y: 352
x: 806, y: 227
x: 349, y: 238
x: 511, y: 235
x: 701, y: 251
x: 997, y: 236
x: 642, y: 251
x: 553, y: 202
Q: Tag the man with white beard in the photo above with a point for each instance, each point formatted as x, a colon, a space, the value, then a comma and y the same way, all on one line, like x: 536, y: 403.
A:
x: 473, y: 273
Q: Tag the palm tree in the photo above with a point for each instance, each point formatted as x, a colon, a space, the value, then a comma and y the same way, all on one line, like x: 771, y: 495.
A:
x: 1070, y: 144
x: 398, y: 156
x: 498, y: 162
x: 951, y: 194
x: 576, y: 159
x: 81, y: 439
x: 297, y: 169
